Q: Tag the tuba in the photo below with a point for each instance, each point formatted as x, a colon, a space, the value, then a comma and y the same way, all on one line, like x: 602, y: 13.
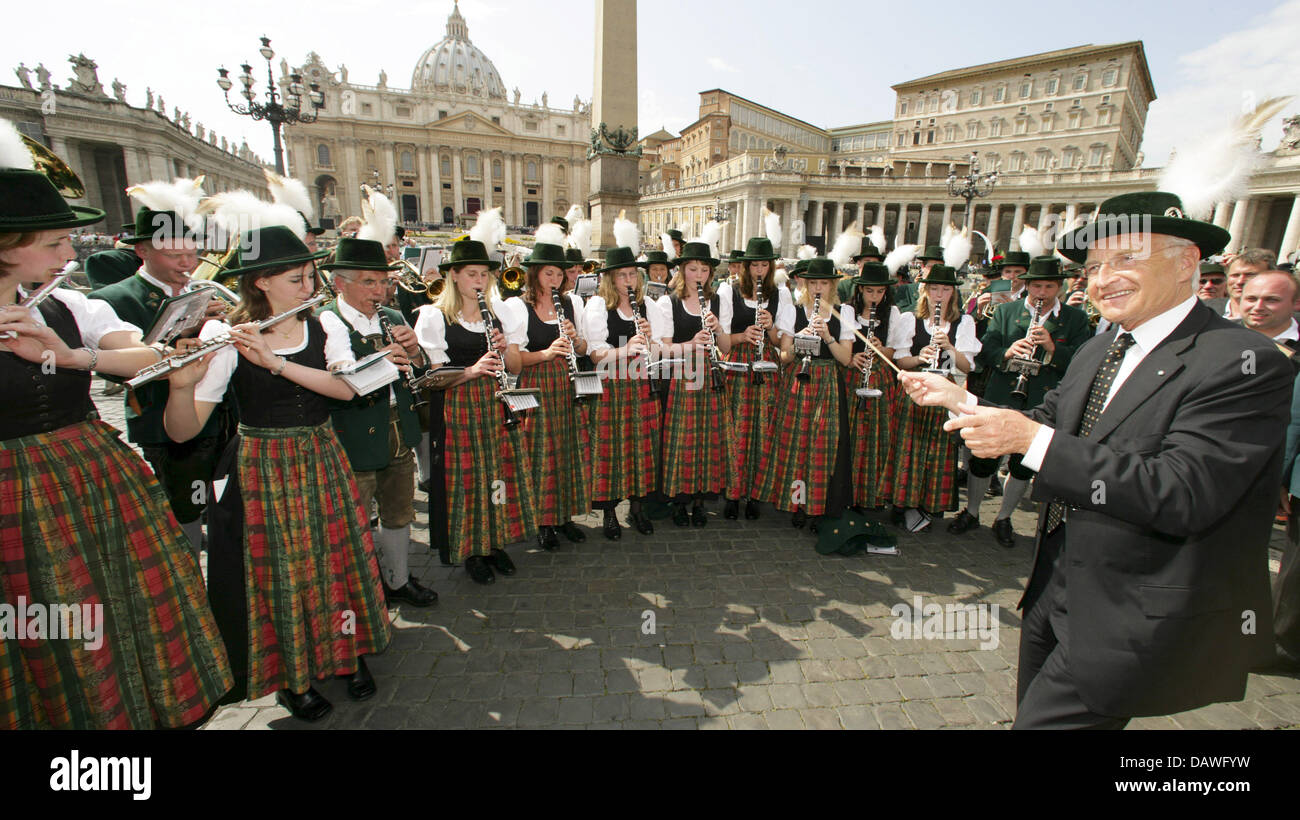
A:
x: 55, y: 169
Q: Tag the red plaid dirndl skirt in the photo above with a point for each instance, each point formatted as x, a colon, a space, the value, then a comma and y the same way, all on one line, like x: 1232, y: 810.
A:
x: 925, y: 459
x: 796, y: 465
x: 752, y: 406
x: 699, y: 450
x: 626, y: 438
x: 873, y: 430
x: 557, y: 437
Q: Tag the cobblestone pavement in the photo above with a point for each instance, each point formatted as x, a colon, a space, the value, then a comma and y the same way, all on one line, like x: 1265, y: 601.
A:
x: 752, y: 629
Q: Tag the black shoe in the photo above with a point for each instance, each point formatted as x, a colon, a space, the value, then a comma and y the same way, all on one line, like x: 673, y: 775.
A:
x: 642, y: 524
x: 308, y: 706
x: 960, y: 478
x: 1003, y: 532
x: 995, y: 487
x: 698, y: 518
x: 572, y: 532
x: 799, y: 519
x: 612, y: 529
x: 501, y: 562
x: 411, y: 593
x: 426, y: 486
x: 361, y: 685
x: 751, y: 510
x: 480, y: 571
x: 680, y: 518
x: 964, y: 522
x: 897, y: 518
x: 813, y: 524
x: 731, y: 510
x: 546, y: 539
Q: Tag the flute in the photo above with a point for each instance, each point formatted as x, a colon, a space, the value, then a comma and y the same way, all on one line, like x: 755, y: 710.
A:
x: 44, y: 292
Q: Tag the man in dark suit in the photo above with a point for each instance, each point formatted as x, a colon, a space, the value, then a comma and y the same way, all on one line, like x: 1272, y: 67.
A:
x: 1159, y: 457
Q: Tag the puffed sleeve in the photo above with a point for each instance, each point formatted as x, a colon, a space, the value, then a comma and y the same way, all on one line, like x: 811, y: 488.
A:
x: 966, y: 341
x: 516, y: 306
x: 338, y: 346
x: 665, y: 328
x: 94, y: 317
x: 848, y: 323
x: 513, y: 325
x: 785, y: 313
x: 902, y: 332
x: 212, y: 387
x: 595, y: 318
x: 578, y: 324
x: 725, y: 311
x: 431, y: 330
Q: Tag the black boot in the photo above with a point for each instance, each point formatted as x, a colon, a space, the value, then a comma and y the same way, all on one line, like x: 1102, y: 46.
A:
x: 680, y: 518
x: 751, y: 509
x: 731, y: 511
x: 612, y: 529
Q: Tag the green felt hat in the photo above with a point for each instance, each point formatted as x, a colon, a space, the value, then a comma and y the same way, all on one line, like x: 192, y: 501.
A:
x: 874, y: 273
x: 269, y: 247
x: 562, y: 222
x: 619, y: 258
x: 798, y: 268
x: 470, y: 252
x: 657, y: 258
x: 358, y: 254
x: 675, y: 234
x: 819, y: 267
x: 30, y: 202
x: 931, y: 252
x: 868, y: 249
x: 696, y: 252
x: 940, y: 275
x: 546, y: 254
x: 1011, y: 259
x: 1154, y: 212
x: 850, y: 534
x: 735, y: 255
x: 1211, y: 267
x: 759, y: 249
x: 1044, y: 267
x: 162, y: 225
x: 573, y: 256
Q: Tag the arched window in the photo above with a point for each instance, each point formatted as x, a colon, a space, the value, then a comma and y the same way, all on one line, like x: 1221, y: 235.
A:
x: 471, y: 166
x: 445, y: 163
x: 532, y: 170
x: 323, y: 156
x: 561, y: 175
x: 370, y: 159
x: 407, y: 162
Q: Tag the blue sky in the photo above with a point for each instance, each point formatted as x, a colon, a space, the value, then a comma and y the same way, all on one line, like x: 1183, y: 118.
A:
x: 830, y: 63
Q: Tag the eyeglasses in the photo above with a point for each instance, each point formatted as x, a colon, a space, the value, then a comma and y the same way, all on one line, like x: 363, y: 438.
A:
x: 1125, y: 261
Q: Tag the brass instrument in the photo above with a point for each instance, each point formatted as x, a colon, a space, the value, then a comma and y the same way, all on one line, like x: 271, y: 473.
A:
x: 590, y: 266
x: 586, y: 384
x: 716, y: 367
x: 512, y: 399
x: 214, y: 264
x: 512, y: 281
x: 55, y: 169
x: 981, y: 312
x: 865, y: 392
x: 1027, y: 366
x: 44, y: 292
x: 219, y: 290
x: 934, y: 363
x: 808, y: 346
x: 760, y: 365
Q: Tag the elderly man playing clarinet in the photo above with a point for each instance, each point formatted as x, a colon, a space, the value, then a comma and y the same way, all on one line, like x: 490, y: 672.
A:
x: 1157, y: 458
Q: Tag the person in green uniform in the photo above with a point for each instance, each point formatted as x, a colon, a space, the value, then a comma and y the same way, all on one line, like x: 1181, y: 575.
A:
x: 905, y: 293
x: 1052, y: 341
x: 106, y: 267
x: 380, y: 430
x: 868, y: 252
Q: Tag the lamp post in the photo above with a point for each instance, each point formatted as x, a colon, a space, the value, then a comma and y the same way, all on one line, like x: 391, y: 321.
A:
x: 376, y: 185
x: 972, y: 186
x: 277, y: 114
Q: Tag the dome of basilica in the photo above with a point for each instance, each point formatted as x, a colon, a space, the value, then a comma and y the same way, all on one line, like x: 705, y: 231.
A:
x: 454, y: 65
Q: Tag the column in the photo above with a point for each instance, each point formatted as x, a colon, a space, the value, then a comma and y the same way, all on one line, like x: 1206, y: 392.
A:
x: 992, y: 232
x: 1291, y: 236
x: 1221, y: 214
x: 792, y: 208
x: 485, y: 166
x: 509, y: 197
x: 1044, y: 217
x: 754, y: 217
x: 947, y: 216
x: 435, y: 182
x: 923, y: 227
x: 835, y: 213
x: 131, y: 159
x: 815, y: 226
x: 880, y: 216
x: 457, y: 196
x: 391, y: 177
x: 1071, y: 210
x: 422, y: 168
x: 1017, y: 225
x: 1238, y: 225
x: 548, y: 193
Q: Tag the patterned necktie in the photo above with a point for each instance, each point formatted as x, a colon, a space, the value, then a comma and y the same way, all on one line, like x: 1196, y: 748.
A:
x: 1101, y: 384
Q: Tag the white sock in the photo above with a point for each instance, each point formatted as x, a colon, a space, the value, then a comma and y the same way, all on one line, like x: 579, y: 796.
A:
x: 394, y: 548
x: 1012, y: 492
x: 976, y: 487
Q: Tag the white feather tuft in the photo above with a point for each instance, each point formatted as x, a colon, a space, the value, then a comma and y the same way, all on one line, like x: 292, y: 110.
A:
x: 846, y: 247
x: 380, y: 217
x: 669, y: 248
x: 489, y: 228
x: 1031, y: 243
x: 806, y: 252
x: 711, y: 236
x: 900, y: 257
x: 626, y: 233
x: 957, y: 251
x: 580, y: 237
x: 575, y: 213
x: 13, y: 151
x: 878, y: 237
x: 180, y: 195
x: 291, y: 192
x: 948, y: 231
x: 235, y: 212
x: 550, y: 234
x: 1217, y: 167
x: 772, y: 229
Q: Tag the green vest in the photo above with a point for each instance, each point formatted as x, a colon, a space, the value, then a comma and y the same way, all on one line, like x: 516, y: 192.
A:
x: 905, y: 296
x: 109, y: 267
x: 136, y: 301
x: 1009, y: 323
x: 361, y: 423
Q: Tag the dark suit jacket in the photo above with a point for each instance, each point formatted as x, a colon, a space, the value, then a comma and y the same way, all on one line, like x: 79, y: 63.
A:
x: 1171, y: 503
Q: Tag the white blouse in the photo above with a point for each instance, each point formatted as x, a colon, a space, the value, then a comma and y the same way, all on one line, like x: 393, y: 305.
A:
x: 965, y: 340
x: 596, y: 319
x: 94, y: 317
x: 213, y: 386
x: 431, y: 327
x: 519, y: 306
x: 784, y: 307
x: 901, y: 328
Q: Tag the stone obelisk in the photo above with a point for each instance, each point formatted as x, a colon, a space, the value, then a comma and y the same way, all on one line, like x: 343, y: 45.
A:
x: 613, y: 157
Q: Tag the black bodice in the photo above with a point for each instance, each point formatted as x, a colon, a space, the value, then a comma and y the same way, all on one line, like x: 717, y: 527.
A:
x: 743, y: 316
x: 464, y: 347
x: 832, y: 325
x: 686, y: 325
x: 38, y: 401
x: 274, y: 401
x: 541, y: 334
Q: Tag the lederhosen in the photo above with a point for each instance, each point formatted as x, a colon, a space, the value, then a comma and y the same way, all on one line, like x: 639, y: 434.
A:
x: 751, y: 404
x: 556, y: 434
x: 873, y: 423
x: 83, y: 522
x: 925, y: 460
x: 626, y: 433
x: 698, y: 444
x: 807, y: 461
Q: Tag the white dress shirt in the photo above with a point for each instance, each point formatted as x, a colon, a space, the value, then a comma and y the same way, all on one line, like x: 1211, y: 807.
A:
x: 94, y: 317
x: 431, y: 329
x: 167, y: 289
x: 784, y: 306
x: 365, y: 325
x: 596, y: 319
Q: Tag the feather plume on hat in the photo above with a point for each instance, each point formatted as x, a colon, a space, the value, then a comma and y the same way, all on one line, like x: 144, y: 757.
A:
x: 13, y: 152
x: 575, y: 213
x: 772, y: 229
x: 380, y: 217
x: 489, y: 228
x: 181, y: 196
x: 669, y: 248
x: 291, y: 192
x: 900, y: 257
x: 627, y: 234
x: 878, y: 237
x: 956, y: 251
x: 1216, y: 167
x: 711, y: 236
x: 806, y: 252
x: 846, y: 247
x: 580, y: 237
x: 1031, y: 243
x: 235, y: 212
x: 550, y: 234
x: 948, y: 231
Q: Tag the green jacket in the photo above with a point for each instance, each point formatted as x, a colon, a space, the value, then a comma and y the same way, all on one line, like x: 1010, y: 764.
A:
x: 136, y: 301
x: 362, y: 422
x: 1009, y: 323
x: 905, y: 296
x: 108, y: 267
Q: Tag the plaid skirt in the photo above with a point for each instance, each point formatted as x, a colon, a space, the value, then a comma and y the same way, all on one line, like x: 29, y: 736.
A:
x: 796, y: 465
x: 84, y: 524
x: 925, y: 459
x: 873, y: 429
x: 557, y: 436
x: 626, y: 439
x: 491, y: 498
x: 699, y: 450
x: 751, y: 411
x: 312, y: 582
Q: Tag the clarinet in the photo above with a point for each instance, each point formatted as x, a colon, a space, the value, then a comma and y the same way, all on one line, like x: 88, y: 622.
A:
x: 386, y: 327
x: 934, y: 363
x: 573, y: 356
x: 489, y: 324
x: 1028, y: 366
x: 715, y: 366
x: 872, y: 323
x: 44, y: 292
x: 762, y: 337
x: 805, y: 362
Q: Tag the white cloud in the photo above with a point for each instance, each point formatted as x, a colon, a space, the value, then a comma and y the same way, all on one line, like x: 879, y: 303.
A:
x: 1216, y: 83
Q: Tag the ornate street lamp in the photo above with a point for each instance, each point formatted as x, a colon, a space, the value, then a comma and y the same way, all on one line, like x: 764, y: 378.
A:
x: 277, y: 114
x: 972, y: 186
x: 719, y: 211
x: 376, y: 185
